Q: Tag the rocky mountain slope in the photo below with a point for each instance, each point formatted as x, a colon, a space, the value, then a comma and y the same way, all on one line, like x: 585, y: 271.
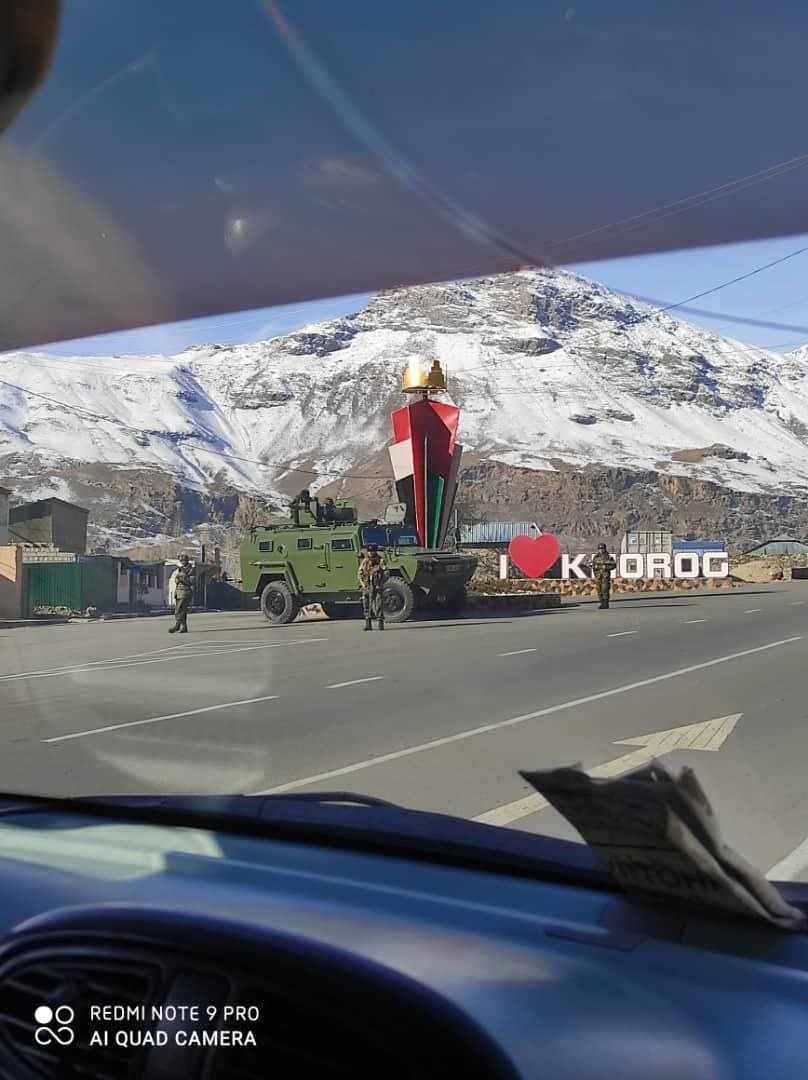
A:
x: 582, y: 409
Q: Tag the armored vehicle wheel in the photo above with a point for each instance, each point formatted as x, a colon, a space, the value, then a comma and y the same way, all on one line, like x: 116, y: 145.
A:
x: 397, y: 600
x: 278, y: 604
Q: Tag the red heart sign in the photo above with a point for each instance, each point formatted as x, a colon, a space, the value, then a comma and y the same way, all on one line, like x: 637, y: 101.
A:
x: 533, y: 557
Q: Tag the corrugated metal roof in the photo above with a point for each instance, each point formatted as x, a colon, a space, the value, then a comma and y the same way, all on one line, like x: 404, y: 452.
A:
x: 699, y: 545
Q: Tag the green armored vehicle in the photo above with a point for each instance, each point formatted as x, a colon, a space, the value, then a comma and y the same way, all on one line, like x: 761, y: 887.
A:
x: 314, y: 560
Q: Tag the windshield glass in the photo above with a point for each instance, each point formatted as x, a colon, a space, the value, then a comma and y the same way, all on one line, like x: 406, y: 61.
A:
x: 387, y: 536
x: 594, y: 453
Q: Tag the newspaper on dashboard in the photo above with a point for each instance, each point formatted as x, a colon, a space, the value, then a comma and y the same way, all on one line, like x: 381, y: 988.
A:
x: 659, y: 838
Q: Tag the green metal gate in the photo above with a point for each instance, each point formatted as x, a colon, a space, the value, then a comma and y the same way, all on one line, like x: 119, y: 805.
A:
x: 99, y: 583
x: 51, y: 586
x: 74, y: 586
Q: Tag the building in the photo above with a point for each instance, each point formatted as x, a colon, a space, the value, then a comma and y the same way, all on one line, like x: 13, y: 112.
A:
x: 698, y: 547
x: 4, y: 497
x: 778, y: 545
x: 51, y: 522
x: 148, y: 584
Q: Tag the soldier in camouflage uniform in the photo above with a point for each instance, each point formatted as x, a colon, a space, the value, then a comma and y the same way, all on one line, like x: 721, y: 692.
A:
x: 183, y: 593
x: 602, y: 566
x: 371, y: 576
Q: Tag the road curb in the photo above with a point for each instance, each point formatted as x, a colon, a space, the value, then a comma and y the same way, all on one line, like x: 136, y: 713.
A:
x: 21, y: 624
x: 521, y: 601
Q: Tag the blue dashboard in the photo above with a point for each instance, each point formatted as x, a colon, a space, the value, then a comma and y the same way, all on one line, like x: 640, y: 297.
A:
x: 568, y: 981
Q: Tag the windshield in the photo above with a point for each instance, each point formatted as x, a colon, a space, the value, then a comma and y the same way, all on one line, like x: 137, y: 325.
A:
x: 388, y: 537
x: 592, y: 444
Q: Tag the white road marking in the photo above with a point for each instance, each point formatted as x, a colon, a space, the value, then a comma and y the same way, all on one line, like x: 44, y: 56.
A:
x: 219, y: 644
x: 353, y: 682
x: 792, y: 866
x: 155, y: 719
x: 88, y: 663
x: 110, y: 665
x: 517, y: 652
x: 795, y: 603
x: 498, y: 725
x: 692, y: 622
x: 622, y: 633
x: 708, y: 735
x: 752, y: 610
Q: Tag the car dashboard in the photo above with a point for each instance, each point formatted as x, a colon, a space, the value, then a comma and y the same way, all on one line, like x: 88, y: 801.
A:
x: 344, y: 962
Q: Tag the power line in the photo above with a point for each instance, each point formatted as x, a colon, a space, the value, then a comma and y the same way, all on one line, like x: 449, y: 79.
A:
x: 724, y: 284
x: 689, y: 202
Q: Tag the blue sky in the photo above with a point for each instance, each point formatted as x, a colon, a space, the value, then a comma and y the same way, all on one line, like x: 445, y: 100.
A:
x: 777, y: 296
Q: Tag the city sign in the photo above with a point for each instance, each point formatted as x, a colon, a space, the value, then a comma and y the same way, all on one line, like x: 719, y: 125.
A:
x: 535, y: 555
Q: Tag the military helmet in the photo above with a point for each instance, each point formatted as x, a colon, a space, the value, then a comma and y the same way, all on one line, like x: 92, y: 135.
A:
x: 602, y: 547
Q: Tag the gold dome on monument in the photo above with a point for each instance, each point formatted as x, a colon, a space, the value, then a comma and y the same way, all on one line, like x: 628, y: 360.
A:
x: 416, y: 379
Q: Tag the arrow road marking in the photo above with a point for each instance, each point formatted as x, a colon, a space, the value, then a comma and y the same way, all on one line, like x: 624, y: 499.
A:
x: 708, y: 735
x: 792, y: 867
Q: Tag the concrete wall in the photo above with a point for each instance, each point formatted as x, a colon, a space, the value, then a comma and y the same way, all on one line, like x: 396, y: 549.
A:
x: 123, y: 584
x: 70, y: 527
x: 10, y: 582
x: 50, y: 521
x: 4, y: 494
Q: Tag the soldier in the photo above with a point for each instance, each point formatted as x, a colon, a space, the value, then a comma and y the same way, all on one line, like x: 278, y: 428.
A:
x: 300, y: 502
x: 602, y: 566
x: 183, y: 591
x: 371, y: 576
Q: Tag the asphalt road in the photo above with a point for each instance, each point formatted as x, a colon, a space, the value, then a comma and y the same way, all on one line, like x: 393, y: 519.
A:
x: 434, y: 715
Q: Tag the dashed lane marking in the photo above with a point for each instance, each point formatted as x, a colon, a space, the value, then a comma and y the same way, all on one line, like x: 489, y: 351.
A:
x: 354, y: 682
x: 517, y: 652
x: 622, y: 633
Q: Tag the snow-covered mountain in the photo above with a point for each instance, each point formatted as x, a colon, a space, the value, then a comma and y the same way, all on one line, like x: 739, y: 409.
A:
x: 551, y: 371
